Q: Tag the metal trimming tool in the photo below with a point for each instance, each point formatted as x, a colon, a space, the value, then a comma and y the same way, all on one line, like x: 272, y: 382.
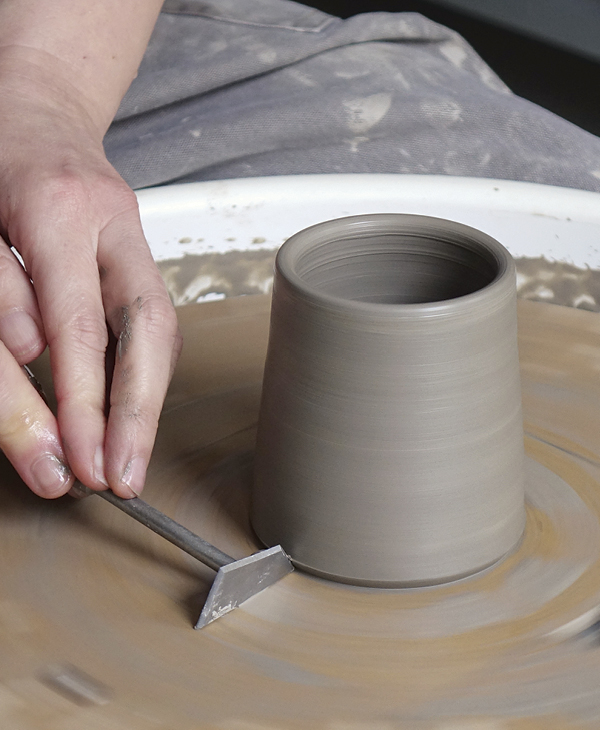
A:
x: 236, y: 580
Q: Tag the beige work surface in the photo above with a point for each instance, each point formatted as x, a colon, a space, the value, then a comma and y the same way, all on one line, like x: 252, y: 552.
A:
x: 96, y: 612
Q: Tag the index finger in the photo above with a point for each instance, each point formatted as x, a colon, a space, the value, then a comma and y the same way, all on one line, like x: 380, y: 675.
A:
x: 142, y: 317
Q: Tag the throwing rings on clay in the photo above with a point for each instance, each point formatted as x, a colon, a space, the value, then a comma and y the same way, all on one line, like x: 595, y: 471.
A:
x: 96, y: 611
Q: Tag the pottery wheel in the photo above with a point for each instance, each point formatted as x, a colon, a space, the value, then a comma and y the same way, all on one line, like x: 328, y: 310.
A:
x: 96, y: 612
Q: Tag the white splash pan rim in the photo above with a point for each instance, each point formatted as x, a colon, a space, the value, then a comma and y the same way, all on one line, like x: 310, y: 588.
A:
x: 530, y: 219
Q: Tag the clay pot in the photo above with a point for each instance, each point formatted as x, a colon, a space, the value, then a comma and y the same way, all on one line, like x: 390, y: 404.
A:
x: 390, y: 439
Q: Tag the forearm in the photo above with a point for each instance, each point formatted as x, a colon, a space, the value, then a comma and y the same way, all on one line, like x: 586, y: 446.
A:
x: 88, y: 48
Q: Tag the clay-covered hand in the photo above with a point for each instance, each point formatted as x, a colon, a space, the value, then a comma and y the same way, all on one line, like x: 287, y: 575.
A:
x: 75, y: 224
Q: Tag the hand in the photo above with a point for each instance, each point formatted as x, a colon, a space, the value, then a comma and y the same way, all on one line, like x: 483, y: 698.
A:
x: 76, y: 225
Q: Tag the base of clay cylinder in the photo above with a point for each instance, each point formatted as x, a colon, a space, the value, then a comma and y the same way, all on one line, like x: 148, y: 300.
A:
x: 405, y: 584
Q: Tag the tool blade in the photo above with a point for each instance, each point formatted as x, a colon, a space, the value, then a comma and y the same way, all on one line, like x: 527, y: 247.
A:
x: 242, y: 579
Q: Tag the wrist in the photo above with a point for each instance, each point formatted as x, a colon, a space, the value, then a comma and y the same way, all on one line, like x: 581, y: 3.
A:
x: 40, y: 79
x: 92, y: 47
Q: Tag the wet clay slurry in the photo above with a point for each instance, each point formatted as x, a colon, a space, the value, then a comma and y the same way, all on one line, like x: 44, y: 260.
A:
x: 390, y: 440
x: 96, y: 611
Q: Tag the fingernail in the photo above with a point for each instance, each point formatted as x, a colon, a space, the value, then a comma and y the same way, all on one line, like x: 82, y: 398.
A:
x: 99, y: 466
x: 50, y: 474
x: 134, y: 475
x: 19, y: 332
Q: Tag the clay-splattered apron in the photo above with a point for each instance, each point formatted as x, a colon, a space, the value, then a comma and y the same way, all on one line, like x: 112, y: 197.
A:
x: 271, y: 87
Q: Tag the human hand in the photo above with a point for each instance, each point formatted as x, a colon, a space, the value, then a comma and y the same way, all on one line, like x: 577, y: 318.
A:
x: 76, y: 225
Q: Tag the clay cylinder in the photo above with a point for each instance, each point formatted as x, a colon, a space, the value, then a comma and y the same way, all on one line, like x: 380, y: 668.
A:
x: 390, y: 438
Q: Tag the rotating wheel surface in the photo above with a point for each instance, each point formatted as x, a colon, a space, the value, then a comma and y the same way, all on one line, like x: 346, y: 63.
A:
x: 96, y: 611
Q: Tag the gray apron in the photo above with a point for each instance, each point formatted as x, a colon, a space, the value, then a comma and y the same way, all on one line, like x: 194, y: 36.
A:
x: 232, y: 89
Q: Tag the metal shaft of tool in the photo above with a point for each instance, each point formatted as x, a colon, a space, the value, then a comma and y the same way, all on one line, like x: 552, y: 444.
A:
x: 170, y: 530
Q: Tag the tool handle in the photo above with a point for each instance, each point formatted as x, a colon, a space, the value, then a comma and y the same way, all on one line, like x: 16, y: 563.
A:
x: 165, y: 527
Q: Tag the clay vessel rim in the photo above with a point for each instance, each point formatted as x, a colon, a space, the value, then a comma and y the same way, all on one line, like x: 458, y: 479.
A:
x: 503, y: 283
